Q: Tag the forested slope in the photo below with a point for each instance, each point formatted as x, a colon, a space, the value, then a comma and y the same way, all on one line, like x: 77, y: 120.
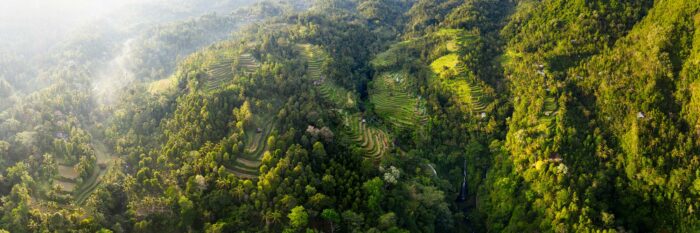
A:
x: 382, y: 116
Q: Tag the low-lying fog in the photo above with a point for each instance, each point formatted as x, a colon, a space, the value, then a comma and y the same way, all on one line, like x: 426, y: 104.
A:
x: 35, y: 25
x: 40, y: 36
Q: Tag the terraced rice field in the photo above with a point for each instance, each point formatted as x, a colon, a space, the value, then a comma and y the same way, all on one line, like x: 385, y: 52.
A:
x: 247, y: 63
x: 248, y: 164
x: 389, y: 57
x: 458, y: 38
x: 104, y: 160
x: 469, y: 94
x: 246, y: 169
x: 220, y: 73
x: 337, y: 95
x: 374, y: 142
x: 394, y: 101
x: 314, y: 58
x: 82, y: 192
x: 66, y: 186
x: 445, y: 63
x: 67, y: 172
x: 328, y: 90
x: 67, y: 178
x: 384, y: 59
x: 550, y: 106
x: 548, y: 110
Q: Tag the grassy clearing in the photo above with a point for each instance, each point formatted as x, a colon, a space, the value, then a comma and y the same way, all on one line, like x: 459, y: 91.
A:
x: 373, y: 141
x: 394, y: 102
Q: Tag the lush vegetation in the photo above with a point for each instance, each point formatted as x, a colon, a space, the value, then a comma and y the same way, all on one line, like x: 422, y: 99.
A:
x: 367, y: 116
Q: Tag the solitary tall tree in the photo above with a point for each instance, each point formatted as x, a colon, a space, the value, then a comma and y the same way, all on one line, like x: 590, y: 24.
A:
x: 331, y: 216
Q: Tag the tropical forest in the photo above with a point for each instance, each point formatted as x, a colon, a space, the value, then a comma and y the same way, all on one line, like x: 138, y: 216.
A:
x: 334, y: 116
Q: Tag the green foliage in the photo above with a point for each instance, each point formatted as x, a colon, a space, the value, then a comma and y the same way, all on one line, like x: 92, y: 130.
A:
x: 395, y: 101
x: 371, y: 116
x: 330, y: 215
x: 187, y: 211
x: 158, y: 46
x: 298, y: 217
x: 373, y: 190
x: 373, y: 142
x: 584, y: 95
x: 427, y: 14
x: 15, y: 215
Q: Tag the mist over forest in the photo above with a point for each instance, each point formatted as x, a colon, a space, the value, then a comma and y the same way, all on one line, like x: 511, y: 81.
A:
x: 349, y: 116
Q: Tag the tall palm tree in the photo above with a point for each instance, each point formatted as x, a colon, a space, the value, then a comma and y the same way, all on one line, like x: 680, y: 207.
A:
x: 271, y: 218
x: 276, y: 217
x: 238, y: 192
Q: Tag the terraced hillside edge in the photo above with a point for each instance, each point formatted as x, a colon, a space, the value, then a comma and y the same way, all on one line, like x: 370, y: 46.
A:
x: 331, y: 92
x: 395, y: 102
x: 374, y: 142
x: 223, y: 70
x: 247, y: 165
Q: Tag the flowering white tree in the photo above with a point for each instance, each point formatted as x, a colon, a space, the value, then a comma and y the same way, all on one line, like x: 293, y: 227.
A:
x: 392, y: 175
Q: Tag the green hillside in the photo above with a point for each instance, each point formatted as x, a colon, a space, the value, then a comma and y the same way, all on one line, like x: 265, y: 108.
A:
x: 358, y: 116
x: 374, y: 142
x: 256, y: 137
x: 395, y: 102
x: 330, y: 91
